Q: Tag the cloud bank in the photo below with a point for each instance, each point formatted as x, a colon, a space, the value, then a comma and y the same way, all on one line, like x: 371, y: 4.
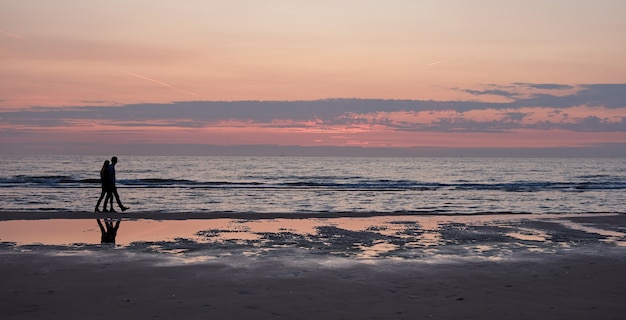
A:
x: 542, y: 108
x: 605, y: 106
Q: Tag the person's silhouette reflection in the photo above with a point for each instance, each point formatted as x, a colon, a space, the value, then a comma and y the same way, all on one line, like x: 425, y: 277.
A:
x: 108, y: 230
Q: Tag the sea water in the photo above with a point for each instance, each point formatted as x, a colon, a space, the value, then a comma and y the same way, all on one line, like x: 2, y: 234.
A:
x: 452, y: 186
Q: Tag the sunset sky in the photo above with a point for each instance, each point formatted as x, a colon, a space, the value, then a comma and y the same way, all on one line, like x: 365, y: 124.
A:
x: 164, y: 77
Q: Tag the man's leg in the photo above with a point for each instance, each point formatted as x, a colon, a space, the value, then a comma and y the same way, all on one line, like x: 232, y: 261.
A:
x: 117, y: 198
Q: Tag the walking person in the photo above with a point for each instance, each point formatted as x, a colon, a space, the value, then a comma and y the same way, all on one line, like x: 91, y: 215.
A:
x: 104, y: 181
x: 112, y: 187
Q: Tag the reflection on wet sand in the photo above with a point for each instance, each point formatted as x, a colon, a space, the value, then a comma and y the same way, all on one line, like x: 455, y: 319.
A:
x: 404, y: 237
x: 108, y: 229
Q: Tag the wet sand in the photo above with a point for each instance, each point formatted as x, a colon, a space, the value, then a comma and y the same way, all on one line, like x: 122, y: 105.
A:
x: 579, y: 276
x: 43, y: 215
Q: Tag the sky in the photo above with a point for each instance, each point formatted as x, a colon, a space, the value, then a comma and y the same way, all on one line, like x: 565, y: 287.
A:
x: 342, y: 77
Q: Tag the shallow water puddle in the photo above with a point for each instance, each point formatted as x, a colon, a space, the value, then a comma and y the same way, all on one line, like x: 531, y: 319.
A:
x: 527, y: 234
x: 363, y: 237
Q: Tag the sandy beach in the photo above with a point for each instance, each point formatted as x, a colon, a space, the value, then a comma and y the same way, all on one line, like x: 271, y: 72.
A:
x: 574, y: 272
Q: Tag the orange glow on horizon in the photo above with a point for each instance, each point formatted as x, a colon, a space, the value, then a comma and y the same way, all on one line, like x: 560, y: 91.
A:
x: 370, y: 136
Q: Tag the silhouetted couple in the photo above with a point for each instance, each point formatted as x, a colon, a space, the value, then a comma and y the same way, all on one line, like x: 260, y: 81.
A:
x: 107, y: 178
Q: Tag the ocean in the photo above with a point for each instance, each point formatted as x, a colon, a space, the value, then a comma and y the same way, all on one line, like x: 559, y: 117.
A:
x: 420, y: 186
